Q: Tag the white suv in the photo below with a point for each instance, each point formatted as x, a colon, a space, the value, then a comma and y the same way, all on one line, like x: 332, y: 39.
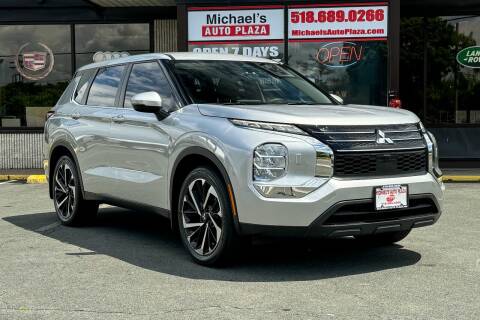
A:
x: 228, y: 146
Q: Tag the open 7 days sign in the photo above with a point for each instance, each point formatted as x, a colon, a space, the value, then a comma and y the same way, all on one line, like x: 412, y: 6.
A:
x: 247, y: 30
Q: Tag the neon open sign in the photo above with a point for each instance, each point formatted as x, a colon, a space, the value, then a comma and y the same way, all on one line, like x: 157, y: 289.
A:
x: 340, y: 54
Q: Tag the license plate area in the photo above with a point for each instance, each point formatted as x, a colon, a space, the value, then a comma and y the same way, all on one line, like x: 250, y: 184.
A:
x: 390, y: 197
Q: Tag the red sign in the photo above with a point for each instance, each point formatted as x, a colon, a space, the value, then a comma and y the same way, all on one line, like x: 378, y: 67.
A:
x: 363, y: 20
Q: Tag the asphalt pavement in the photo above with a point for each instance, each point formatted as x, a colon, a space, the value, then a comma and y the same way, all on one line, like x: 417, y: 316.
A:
x: 129, y: 265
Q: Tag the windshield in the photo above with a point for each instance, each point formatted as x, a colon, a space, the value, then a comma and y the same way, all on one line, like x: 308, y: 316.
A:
x: 242, y: 82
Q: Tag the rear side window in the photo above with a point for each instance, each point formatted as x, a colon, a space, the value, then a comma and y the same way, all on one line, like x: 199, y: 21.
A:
x: 145, y: 77
x: 82, y: 86
x: 105, y: 86
x: 67, y: 94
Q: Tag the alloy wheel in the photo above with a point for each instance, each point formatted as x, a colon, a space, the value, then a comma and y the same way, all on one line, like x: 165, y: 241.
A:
x: 202, y: 217
x: 64, y: 191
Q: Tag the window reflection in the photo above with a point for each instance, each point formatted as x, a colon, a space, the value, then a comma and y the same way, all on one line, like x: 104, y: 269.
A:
x: 90, y: 38
x: 148, y: 77
x: 24, y: 102
x: 355, y: 71
x: 433, y: 84
x: 104, y: 88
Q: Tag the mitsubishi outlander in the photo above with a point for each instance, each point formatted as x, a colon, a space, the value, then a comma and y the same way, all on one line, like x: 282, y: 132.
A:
x: 228, y: 147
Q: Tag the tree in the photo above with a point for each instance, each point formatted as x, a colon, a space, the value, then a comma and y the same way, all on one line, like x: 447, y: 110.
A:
x: 442, y: 43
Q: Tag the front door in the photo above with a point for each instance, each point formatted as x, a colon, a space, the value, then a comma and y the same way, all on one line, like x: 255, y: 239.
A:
x: 142, y: 141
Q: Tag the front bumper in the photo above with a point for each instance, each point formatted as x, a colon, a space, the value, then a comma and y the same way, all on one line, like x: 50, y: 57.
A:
x: 358, y: 217
x: 341, y: 208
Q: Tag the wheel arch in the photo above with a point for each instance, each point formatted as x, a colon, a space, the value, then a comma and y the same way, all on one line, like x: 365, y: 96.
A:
x: 188, y: 159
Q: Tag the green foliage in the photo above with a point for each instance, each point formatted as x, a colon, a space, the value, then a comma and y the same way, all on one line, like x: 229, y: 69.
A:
x: 442, y: 44
x: 17, y: 96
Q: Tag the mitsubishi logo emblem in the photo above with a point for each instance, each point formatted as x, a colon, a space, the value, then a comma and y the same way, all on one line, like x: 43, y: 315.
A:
x: 381, y: 138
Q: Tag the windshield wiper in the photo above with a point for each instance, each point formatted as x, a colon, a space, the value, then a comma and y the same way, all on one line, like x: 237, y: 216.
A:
x: 303, y: 103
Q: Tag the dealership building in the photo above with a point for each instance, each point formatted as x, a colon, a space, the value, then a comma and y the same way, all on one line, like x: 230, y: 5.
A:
x: 420, y: 53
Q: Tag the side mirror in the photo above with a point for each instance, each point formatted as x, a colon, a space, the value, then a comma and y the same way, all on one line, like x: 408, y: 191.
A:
x: 149, y: 101
x: 337, y: 98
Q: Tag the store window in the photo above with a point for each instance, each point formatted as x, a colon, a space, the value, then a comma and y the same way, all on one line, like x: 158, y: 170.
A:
x: 353, y: 70
x: 35, y: 68
x: 92, y: 38
x: 36, y: 63
x: 342, y: 49
x: 440, y: 79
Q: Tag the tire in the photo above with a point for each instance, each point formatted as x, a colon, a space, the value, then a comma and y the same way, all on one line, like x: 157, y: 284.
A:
x: 383, y: 239
x: 205, y: 218
x: 71, y: 208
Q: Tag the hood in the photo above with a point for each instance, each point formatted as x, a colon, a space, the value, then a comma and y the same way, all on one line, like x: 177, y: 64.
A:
x: 312, y: 114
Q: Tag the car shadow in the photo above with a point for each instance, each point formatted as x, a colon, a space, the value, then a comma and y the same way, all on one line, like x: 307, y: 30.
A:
x: 145, y: 240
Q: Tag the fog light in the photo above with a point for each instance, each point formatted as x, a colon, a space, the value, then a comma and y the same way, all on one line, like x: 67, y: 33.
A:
x: 269, y: 162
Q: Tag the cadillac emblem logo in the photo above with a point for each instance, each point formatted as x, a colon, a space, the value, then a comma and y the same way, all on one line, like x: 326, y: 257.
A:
x: 34, y: 61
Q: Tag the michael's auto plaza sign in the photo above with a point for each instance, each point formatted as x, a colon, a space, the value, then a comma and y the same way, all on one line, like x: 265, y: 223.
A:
x: 261, y: 31
x: 245, y: 30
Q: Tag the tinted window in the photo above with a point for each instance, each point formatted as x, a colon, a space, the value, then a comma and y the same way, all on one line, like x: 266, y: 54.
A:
x: 148, y: 77
x: 83, y: 86
x: 105, y: 86
x: 239, y: 82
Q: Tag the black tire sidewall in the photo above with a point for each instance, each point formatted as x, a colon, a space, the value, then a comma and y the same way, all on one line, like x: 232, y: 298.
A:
x: 78, y: 196
x: 228, y: 232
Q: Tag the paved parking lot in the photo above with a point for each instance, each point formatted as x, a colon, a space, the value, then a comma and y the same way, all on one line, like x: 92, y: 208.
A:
x: 131, y: 266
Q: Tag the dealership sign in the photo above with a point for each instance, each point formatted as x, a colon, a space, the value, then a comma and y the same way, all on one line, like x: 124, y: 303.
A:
x: 366, y: 21
x: 235, y: 24
x: 245, y: 30
x: 469, y: 57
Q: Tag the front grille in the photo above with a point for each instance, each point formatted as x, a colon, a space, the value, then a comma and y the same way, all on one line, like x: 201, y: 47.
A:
x: 358, y: 151
x: 364, y: 138
x: 364, y: 212
x: 380, y: 164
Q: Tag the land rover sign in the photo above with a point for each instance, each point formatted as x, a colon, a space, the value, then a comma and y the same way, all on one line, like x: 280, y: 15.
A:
x: 469, y: 57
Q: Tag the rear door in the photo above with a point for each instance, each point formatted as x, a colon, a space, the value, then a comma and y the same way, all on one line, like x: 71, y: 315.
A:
x: 95, y: 141
x: 142, y: 141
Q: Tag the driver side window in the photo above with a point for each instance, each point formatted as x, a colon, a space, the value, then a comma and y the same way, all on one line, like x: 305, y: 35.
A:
x: 148, y: 76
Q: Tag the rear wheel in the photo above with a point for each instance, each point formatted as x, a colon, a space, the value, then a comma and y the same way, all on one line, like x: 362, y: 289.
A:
x: 205, y: 218
x: 70, y: 206
x: 382, y: 239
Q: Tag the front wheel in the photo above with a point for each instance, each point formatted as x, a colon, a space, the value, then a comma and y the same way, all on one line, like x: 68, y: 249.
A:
x: 205, y: 217
x: 383, y: 239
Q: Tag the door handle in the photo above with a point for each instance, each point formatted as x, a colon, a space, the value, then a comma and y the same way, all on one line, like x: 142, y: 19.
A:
x: 75, y: 115
x: 118, y: 119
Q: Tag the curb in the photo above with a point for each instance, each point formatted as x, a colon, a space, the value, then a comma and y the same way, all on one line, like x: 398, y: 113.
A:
x: 452, y: 178
x: 29, y: 178
x: 37, y: 178
x: 8, y: 177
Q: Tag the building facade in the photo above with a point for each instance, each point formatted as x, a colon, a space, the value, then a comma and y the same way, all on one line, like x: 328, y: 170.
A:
x: 365, y: 52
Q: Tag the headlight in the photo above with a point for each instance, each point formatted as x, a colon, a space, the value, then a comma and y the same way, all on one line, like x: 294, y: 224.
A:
x: 269, y: 162
x: 279, y: 127
x: 433, y: 155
